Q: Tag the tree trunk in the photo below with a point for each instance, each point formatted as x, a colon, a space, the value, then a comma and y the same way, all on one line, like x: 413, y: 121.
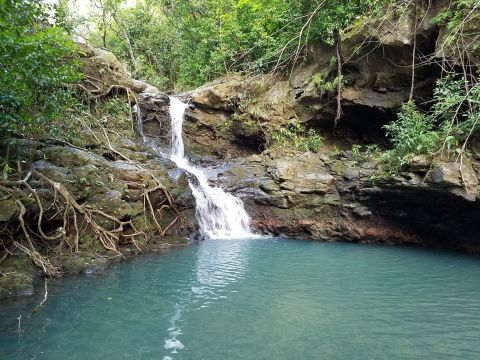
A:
x: 128, y: 43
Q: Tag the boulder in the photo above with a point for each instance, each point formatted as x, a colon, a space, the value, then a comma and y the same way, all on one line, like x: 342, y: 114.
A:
x: 221, y: 94
x: 15, y: 283
x: 420, y: 164
x: 104, y: 72
x: 155, y: 114
x: 8, y: 209
x: 455, y: 175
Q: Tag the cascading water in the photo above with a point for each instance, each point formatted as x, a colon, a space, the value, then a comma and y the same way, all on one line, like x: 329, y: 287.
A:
x: 220, y: 214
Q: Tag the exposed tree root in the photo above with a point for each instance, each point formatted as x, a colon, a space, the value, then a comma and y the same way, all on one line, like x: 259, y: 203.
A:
x: 108, y: 238
x: 76, y: 218
x: 73, y: 218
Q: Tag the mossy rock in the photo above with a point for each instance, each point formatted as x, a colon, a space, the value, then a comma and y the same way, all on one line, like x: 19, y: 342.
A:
x: 17, y: 263
x: 88, y: 244
x: 96, y: 264
x: 68, y: 157
x: 15, y: 283
x: 8, y: 209
x: 73, y: 265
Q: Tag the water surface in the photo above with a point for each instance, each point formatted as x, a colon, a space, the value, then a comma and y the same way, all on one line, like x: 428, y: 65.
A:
x: 259, y: 299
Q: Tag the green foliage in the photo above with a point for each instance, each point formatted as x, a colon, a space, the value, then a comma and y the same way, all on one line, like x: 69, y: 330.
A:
x: 412, y: 133
x: 357, y: 152
x: 444, y: 130
x: 362, y: 153
x: 89, y: 244
x: 295, y: 138
x: 458, y: 40
x: 6, y: 168
x: 457, y: 110
x: 35, y: 67
x: 185, y: 43
x: 115, y: 108
x: 250, y: 127
x: 63, y: 17
x: 81, y: 119
x: 324, y: 86
x: 314, y: 141
x: 453, y: 114
x: 225, y: 127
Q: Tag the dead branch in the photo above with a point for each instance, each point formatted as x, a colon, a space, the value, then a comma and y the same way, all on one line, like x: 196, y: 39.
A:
x: 43, y: 301
x: 414, y: 50
x: 302, y: 30
x: 339, y: 113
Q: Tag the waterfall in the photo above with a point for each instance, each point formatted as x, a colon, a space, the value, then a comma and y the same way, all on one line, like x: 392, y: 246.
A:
x: 220, y: 214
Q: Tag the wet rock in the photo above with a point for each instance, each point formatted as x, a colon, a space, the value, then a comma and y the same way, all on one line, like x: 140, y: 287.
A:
x: 155, y: 114
x: 96, y: 265
x: 15, y: 284
x: 73, y: 265
x: 322, y: 197
x: 351, y: 173
x: 16, y: 276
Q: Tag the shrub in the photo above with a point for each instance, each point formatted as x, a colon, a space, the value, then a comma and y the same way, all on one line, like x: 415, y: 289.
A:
x: 444, y: 130
x: 314, y: 141
x: 412, y: 133
x: 296, y: 138
x: 35, y: 66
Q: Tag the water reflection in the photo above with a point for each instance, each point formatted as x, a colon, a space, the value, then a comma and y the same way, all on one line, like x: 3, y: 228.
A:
x: 219, y: 264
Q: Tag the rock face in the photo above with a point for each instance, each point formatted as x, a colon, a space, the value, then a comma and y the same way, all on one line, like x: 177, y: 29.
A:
x: 335, y: 198
x: 111, y: 185
x: 155, y: 117
x: 332, y: 195
x: 241, y: 114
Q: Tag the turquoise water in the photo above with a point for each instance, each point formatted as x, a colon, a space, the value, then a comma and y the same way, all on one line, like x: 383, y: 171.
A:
x: 259, y: 299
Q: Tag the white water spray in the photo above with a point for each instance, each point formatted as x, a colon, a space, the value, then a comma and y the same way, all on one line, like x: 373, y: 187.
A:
x: 220, y: 214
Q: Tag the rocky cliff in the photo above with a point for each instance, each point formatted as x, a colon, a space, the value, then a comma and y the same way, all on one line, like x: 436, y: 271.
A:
x: 234, y: 125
